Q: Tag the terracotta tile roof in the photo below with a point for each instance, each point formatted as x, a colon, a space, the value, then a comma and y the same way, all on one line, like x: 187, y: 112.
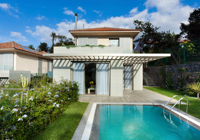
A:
x: 9, y: 45
x: 106, y: 29
x: 182, y: 40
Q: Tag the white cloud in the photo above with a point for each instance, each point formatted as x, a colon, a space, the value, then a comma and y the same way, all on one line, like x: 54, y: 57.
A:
x: 167, y: 17
x: 19, y: 36
x: 6, y: 7
x: 27, y: 27
x: 169, y: 14
x: 42, y: 32
x: 68, y: 12
x: 164, y: 6
x: 133, y: 11
x: 98, y: 12
x: 40, y: 17
x: 81, y: 9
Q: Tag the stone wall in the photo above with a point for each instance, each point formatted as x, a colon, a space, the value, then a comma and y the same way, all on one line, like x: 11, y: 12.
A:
x: 192, y: 71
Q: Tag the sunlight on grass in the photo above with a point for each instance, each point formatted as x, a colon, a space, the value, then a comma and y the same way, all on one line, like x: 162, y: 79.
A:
x: 194, y: 103
x: 64, y: 127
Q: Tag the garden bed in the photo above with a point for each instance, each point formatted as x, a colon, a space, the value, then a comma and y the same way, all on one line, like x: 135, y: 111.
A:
x: 26, y: 114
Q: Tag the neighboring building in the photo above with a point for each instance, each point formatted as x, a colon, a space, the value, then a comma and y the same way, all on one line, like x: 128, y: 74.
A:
x: 16, y: 59
x: 112, y: 68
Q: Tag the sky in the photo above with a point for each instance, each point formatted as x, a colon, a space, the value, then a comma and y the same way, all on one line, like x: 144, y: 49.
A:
x: 29, y: 22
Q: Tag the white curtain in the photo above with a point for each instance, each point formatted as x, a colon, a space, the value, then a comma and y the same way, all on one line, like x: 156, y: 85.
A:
x: 127, y: 77
x: 102, y: 79
x: 78, y: 75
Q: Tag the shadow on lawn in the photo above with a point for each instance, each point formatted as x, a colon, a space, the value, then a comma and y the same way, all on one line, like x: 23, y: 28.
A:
x: 64, y: 127
x: 61, y: 129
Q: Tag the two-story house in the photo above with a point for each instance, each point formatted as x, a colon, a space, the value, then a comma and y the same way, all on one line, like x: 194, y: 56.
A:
x: 102, y: 61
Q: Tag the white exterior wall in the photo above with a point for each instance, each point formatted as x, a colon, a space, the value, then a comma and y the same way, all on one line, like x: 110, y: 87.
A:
x: 104, y: 41
x: 6, y: 61
x: 88, y: 50
x: 44, y: 66
x: 131, y: 44
x: 61, y: 69
x: 50, y: 65
x: 125, y: 43
x: 26, y: 62
x: 138, y: 77
x: 116, y: 78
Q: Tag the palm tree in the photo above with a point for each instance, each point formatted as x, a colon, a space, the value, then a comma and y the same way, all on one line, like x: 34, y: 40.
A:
x: 195, y: 87
x: 53, y: 35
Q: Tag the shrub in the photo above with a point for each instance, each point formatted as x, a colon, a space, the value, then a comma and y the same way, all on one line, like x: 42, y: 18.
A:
x: 194, y: 88
x: 24, y: 115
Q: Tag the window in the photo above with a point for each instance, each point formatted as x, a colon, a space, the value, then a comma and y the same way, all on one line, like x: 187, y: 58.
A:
x: 114, y: 42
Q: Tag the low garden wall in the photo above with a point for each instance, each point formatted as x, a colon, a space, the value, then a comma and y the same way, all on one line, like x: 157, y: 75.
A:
x: 191, y: 73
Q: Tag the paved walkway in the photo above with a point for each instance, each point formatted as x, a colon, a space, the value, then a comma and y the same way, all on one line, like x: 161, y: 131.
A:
x: 140, y: 96
x: 136, y: 96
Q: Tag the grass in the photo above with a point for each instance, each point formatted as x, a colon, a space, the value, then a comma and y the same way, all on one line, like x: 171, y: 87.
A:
x: 194, y: 103
x: 64, y: 127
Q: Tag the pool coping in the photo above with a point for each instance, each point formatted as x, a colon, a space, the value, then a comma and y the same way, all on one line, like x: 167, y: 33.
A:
x: 88, y: 127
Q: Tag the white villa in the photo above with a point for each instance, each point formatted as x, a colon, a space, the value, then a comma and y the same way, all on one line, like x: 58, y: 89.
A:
x: 104, y: 56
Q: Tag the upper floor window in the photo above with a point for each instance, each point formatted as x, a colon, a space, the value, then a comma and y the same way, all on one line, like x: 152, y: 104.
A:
x: 114, y: 42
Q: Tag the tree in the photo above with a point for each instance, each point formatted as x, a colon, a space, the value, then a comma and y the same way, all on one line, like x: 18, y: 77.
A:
x: 192, y: 30
x: 153, y: 40
x: 69, y: 41
x: 31, y: 47
x: 43, y: 47
x: 63, y: 40
x: 54, y: 36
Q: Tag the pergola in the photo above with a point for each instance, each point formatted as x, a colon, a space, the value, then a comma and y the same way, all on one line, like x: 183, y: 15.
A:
x: 128, y: 59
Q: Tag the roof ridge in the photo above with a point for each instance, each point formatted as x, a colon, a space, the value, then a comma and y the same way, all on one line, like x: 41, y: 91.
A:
x: 17, y: 46
x: 102, y: 27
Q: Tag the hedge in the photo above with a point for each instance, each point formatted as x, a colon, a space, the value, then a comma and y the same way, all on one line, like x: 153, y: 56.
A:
x: 25, y: 114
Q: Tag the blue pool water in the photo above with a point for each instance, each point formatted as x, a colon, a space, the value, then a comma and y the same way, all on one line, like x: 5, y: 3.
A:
x: 125, y: 122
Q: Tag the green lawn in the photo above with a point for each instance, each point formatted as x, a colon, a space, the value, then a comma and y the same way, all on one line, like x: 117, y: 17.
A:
x: 64, y: 127
x: 194, y: 103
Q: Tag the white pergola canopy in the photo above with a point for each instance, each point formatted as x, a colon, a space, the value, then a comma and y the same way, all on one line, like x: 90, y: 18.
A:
x: 128, y: 59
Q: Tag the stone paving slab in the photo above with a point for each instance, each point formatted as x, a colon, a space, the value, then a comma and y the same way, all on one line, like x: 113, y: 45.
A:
x: 139, y: 96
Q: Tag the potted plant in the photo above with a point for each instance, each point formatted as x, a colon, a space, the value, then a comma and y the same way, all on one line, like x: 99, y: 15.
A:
x: 91, y: 83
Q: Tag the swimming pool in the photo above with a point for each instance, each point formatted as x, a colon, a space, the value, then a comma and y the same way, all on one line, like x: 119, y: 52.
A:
x: 127, y: 122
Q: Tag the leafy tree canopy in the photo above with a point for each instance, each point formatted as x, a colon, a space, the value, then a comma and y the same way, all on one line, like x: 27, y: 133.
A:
x: 192, y: 30
x: 152, y: 39
x: 43, y: 47
x: 31, y: 47
x: 63, y: 40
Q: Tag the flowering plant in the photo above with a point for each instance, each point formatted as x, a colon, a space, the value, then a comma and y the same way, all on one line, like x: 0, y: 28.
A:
x: 91, y: 83
x: 24, y: 119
